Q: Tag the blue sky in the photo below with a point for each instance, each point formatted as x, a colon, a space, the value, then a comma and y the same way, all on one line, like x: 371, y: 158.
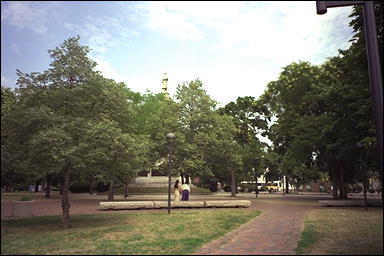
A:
x: 235, y: 48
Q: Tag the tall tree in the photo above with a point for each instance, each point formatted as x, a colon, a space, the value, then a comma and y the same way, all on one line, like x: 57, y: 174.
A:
x: 251, y: 121
x: 75, y: 119
x: 195, y: 121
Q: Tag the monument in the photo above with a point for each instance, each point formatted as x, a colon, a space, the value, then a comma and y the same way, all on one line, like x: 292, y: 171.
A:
x: 164, y: 82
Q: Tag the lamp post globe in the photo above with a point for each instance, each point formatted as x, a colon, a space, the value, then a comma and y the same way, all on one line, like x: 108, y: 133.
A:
x: 171, y: 136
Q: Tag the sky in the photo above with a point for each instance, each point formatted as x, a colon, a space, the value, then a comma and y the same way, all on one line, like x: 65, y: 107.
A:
x: 234, y: 48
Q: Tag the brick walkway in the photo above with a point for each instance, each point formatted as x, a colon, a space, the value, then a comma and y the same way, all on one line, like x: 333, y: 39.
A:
x: 275, y: 232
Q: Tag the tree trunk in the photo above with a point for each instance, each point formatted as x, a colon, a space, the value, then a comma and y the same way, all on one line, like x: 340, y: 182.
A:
x: 335, y: 183
x: 233, y: 184
x: 36, y: 186
x: 126, y: 189
x: 61, y: 181
x: 382, y: 189
x: 182, y: 177
x: 257, y: 188
x: 65, y: 194
x: 343, y: 190
x: 110, y: 191
x: 48, y: 188
x: 91, y: 185
x: 365, y: 186
x: 286, y: 185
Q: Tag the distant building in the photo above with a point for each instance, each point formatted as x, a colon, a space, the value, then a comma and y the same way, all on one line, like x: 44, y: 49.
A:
x: 317, y: 186
x: 264, y: 185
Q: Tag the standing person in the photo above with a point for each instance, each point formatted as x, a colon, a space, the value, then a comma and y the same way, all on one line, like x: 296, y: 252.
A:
x: 177, y: 189
x: 186, y: 190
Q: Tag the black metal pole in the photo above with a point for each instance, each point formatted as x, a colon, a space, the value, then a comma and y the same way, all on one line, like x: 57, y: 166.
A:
x: 169, y: 177
x: 256, y: 177
x: 375, y: 77
x: 363, y: 170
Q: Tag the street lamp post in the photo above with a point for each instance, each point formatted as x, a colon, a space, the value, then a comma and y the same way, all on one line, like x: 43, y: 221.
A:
x: 375, y: 75
x: 170, y: 138
x: 257, y: 188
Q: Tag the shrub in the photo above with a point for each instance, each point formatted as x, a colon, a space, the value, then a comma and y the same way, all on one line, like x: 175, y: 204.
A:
x: 24, y: 198
x: 244, y: 186
x: 356, y: 188
x: 101, y: 187
x: 227, y: 188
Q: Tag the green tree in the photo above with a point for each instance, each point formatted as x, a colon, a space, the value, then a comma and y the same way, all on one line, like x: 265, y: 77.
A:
x: 223, y: 153
x: 195, y: 112
x: 157, y: 116
x: 298, y: 102
x: 251, y: 120
x: 76, y: 120
x: 10, y: 149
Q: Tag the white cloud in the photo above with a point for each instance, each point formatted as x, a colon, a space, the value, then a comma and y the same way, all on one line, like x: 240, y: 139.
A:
x: 253, y: 40
x: 7, y: 82
x: 25, y: 15
x: 164, y: 18
x: 263, y: 30
x: 151, y: 82
x: 103, y: 36
x: 108, y: 71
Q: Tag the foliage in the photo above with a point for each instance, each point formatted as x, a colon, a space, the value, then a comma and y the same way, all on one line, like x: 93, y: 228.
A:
x: 322, y: 112
x: 204, y: 146
x: 79, y: 187
x: 250, y: 119
x: 71, y: 122
x: 25, y: 199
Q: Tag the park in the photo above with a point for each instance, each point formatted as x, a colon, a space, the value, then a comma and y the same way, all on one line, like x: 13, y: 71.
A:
x: 290, y: 224
x: 91, y: 166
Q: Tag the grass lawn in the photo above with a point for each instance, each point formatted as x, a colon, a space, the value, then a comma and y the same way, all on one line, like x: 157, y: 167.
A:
x: 348, y: 231
x: 181, y: 232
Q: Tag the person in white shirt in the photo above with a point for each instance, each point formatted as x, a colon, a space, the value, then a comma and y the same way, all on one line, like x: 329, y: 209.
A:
x: 185, y: 191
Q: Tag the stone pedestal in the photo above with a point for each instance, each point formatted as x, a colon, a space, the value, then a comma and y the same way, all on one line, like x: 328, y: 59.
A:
x: 126, y: 205
x: 174, y: 204
x: 179, y: 204
x: 22, y: 208
x: 227, y: 203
